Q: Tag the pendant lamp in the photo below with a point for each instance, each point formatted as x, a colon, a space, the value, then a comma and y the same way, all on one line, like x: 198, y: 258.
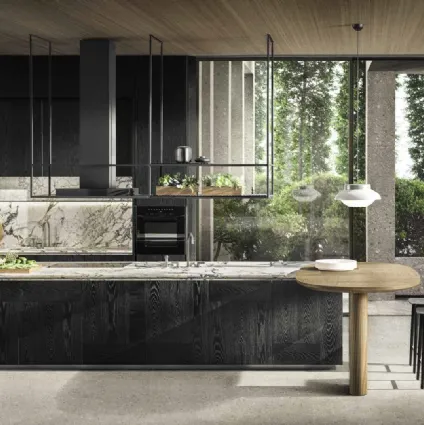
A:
x: 306, y: 193
x: 357, y: 195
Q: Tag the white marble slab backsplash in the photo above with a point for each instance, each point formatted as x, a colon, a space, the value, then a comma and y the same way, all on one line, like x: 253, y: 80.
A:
x: 40, y: 184
x: 78, y: 225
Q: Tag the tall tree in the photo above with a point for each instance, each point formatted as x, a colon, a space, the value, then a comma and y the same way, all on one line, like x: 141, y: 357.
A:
x: 341, y: 120
x: 303, y: 117
x: 414, y: 88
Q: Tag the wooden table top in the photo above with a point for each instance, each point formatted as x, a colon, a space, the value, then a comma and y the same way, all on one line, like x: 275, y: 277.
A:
x: 368, y: 277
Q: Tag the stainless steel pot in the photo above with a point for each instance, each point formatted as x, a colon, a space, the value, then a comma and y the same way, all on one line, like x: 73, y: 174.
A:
x: 183, y: 154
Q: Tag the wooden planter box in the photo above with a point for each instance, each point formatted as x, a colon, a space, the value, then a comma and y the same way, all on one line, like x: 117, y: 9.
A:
x: 173, y: 191
x: 220, y: 191
x: 206, y: 191
x: 21, y: 271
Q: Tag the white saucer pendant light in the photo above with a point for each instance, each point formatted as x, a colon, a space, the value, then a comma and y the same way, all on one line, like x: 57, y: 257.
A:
x: 306, y: 193
x: 357, y: 195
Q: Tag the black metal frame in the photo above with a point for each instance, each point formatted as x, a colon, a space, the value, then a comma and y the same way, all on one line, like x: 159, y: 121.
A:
x: 351, y: 212
x: 31, y: 108
x: 269, y: 164
x: 152, y: 38
x: 270, y: 117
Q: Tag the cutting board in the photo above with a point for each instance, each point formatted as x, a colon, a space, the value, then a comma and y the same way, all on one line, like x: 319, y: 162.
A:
x: 21, y: 271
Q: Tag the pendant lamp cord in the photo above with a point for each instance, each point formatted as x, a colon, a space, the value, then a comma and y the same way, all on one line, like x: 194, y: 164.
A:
x: 357, y: 106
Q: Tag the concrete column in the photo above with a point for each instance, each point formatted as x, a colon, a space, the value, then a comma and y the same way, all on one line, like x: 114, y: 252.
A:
x: 237, y: 118
x: 249, y: 127
x: 222, y: 113
x: 206, y: 148
x: 380, y: 165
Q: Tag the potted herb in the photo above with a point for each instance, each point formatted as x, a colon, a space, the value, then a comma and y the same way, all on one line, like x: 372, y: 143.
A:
x: 177, y: 185
x: 221, y: 184
x: 11, y: 263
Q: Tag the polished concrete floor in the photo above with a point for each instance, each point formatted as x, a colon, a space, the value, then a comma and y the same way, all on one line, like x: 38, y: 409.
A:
x: 226, y: 397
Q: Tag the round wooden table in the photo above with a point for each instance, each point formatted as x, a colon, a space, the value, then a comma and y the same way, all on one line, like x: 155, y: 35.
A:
x: 368, y: 277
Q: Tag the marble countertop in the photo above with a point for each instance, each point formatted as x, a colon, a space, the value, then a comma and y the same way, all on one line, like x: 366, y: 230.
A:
x: 67, y: 251
x: 157, y: 270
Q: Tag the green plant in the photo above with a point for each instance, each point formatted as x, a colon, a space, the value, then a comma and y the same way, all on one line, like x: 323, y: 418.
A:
x: 221, y: 180
x: 409, y: 217
x: 170, y: 180
x: 189, y: 182
x: 12, y: 261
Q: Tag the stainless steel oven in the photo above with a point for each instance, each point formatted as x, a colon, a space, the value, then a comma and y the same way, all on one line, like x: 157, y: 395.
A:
x: 160, y: 230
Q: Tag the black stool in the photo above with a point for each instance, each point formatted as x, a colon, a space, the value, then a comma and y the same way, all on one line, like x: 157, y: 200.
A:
x: 420, y: 351
x: 413, y: 341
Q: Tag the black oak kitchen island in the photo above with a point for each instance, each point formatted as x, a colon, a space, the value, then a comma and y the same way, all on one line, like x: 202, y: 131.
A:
x: 232, y: 315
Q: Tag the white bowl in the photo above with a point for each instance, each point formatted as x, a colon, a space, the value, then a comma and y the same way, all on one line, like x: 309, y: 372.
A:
x: 336, y: 265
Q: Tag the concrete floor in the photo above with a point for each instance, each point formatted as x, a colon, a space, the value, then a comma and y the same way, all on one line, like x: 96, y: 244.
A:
x: 244, y: 398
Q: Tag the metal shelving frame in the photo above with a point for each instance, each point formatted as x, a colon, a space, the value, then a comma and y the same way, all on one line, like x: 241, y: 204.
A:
x: 31, y: 108
x: 269, y: 164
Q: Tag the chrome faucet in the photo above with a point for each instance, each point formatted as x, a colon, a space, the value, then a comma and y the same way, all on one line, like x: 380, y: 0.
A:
x: 166, y: 258
x: 189, y: 242
x: 46, y: 234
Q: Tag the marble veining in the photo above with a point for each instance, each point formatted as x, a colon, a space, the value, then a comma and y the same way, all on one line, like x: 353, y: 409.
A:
x: 67, y: 251
x: 41, y: 184
x: 157, y: 270
x: 68, y: 227
x: 72, y: 225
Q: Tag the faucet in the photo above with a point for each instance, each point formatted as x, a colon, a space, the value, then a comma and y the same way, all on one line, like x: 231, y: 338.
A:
x: 166, y: 258
x: 189, y: 242
x: 46, y: 234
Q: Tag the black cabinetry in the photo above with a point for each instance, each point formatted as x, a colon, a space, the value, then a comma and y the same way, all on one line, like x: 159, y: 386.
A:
x: 180, y: 112
x: 188, y: 322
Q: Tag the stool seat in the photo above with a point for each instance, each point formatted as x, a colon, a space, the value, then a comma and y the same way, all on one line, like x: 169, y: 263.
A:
x: 416, y: 301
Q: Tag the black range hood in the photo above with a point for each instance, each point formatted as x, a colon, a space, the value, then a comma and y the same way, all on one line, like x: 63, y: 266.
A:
x: 97, y: 126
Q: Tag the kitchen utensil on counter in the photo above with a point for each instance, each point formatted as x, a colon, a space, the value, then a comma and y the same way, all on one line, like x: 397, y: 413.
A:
x: 183, y: 154
x: 337, y: 264
x: 203, y: 159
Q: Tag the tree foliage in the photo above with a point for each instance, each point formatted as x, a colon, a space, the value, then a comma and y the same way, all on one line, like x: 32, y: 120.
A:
x: 414, y: 88
x: 341, y: 120
x: 409, y: 217
x: 311, y: 100
x: 277, y: 229
x: 303, y: 115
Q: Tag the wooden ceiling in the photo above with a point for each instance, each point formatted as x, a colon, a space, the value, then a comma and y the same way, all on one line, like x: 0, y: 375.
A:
x: 218, y: 27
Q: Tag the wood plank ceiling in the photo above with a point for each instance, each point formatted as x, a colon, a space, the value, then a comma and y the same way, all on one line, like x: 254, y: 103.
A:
x: 218, y: 27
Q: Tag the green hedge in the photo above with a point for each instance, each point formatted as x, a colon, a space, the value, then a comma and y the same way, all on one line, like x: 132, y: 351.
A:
x: 409, y: 218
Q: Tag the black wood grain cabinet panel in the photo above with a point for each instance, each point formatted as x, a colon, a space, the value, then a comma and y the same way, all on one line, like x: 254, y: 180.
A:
x: 306, y: 325
x: 174, y: 330
x: 105, y: 324
x: 40, y: 323
x: 239, y: 322
x: 205, y: 322
x: 9, y: 333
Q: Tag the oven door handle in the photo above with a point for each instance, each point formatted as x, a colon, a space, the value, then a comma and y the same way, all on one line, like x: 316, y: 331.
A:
x: 161, y: 236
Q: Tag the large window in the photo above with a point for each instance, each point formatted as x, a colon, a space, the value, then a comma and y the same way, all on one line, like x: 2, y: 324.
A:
x: 410, y: 165
x: 311, y: 131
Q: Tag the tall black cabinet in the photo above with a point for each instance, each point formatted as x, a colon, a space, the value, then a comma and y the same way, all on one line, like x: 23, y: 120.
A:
x: 179, y: 109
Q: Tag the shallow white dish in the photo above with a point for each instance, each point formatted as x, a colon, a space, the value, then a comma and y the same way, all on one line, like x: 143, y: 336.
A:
x: 336, y: 265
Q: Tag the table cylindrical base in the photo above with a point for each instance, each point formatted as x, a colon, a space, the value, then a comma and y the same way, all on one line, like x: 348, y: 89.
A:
x: 358, y: 346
